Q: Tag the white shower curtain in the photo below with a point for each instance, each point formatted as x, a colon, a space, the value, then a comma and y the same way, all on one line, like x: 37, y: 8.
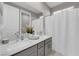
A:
x: 66, y: 30
x: 56, y: 26
x: 73, y: 32
x: 60, y: 32
x: 65, y: 27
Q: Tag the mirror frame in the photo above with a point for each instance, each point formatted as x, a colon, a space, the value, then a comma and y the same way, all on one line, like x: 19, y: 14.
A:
x: 20, y: 20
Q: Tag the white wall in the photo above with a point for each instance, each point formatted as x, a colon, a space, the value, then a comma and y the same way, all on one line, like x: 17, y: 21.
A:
x: 38, y: 25
x: 0, y: 19
x: 49, y: 25
x: 10, y: 19
x: 0, y: 8
x: 0, y: 13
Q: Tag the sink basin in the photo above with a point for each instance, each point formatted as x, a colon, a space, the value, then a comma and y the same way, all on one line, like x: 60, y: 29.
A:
x: 31, y: 36
x: 19, y: 43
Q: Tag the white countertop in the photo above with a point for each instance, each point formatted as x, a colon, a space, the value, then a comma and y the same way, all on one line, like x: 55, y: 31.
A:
x: 12, y: 48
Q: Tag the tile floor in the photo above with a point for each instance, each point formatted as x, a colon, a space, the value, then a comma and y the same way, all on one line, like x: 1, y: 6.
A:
x: 54, y: 53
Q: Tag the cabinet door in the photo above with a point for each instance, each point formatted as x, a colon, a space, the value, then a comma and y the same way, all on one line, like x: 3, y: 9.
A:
x: 33, y: 54
x: 41, y: 49
x: 48, y: 46
x: 32, y: 51
x: 48, y: 49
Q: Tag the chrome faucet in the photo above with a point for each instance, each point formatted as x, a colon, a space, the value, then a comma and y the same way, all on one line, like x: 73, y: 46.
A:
x: 17, y: 35
x: 22, y: 37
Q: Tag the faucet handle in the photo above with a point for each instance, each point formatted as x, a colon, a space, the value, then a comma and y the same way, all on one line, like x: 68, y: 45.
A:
x: 17, y: 34
x: 22, y: 36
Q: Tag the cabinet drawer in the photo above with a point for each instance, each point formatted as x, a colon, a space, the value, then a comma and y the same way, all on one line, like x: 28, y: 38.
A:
x: 48, y: 40
x: 48, y: 48
x: 41, y: 44
x: 27, y: 52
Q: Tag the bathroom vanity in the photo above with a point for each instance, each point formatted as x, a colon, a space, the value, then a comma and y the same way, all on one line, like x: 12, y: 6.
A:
x: 27, y: 47
x: 14, y: 21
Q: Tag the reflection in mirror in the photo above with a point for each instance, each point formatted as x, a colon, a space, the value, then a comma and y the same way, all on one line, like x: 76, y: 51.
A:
x: 1, y: 10
x: 10, y: 22
x: 26, y: 22
x: 0, y: 19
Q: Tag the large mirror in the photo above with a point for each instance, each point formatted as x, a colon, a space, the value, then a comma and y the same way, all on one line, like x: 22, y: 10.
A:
x: 10, y: 22
x: 1, y: 13
x: 26, y: 26
x: 0, y: 18
x: 15, y: 22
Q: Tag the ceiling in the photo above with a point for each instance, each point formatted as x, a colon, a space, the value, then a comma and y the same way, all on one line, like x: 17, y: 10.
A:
x: 38, y: 7
x: 53, y: 4
x: 27, y: 6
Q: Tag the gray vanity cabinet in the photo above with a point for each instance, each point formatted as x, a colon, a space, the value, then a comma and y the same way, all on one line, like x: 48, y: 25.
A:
x: 32, y: 51
x: 48, y: 46
x: 41, y: 49
x: 33, y: 54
